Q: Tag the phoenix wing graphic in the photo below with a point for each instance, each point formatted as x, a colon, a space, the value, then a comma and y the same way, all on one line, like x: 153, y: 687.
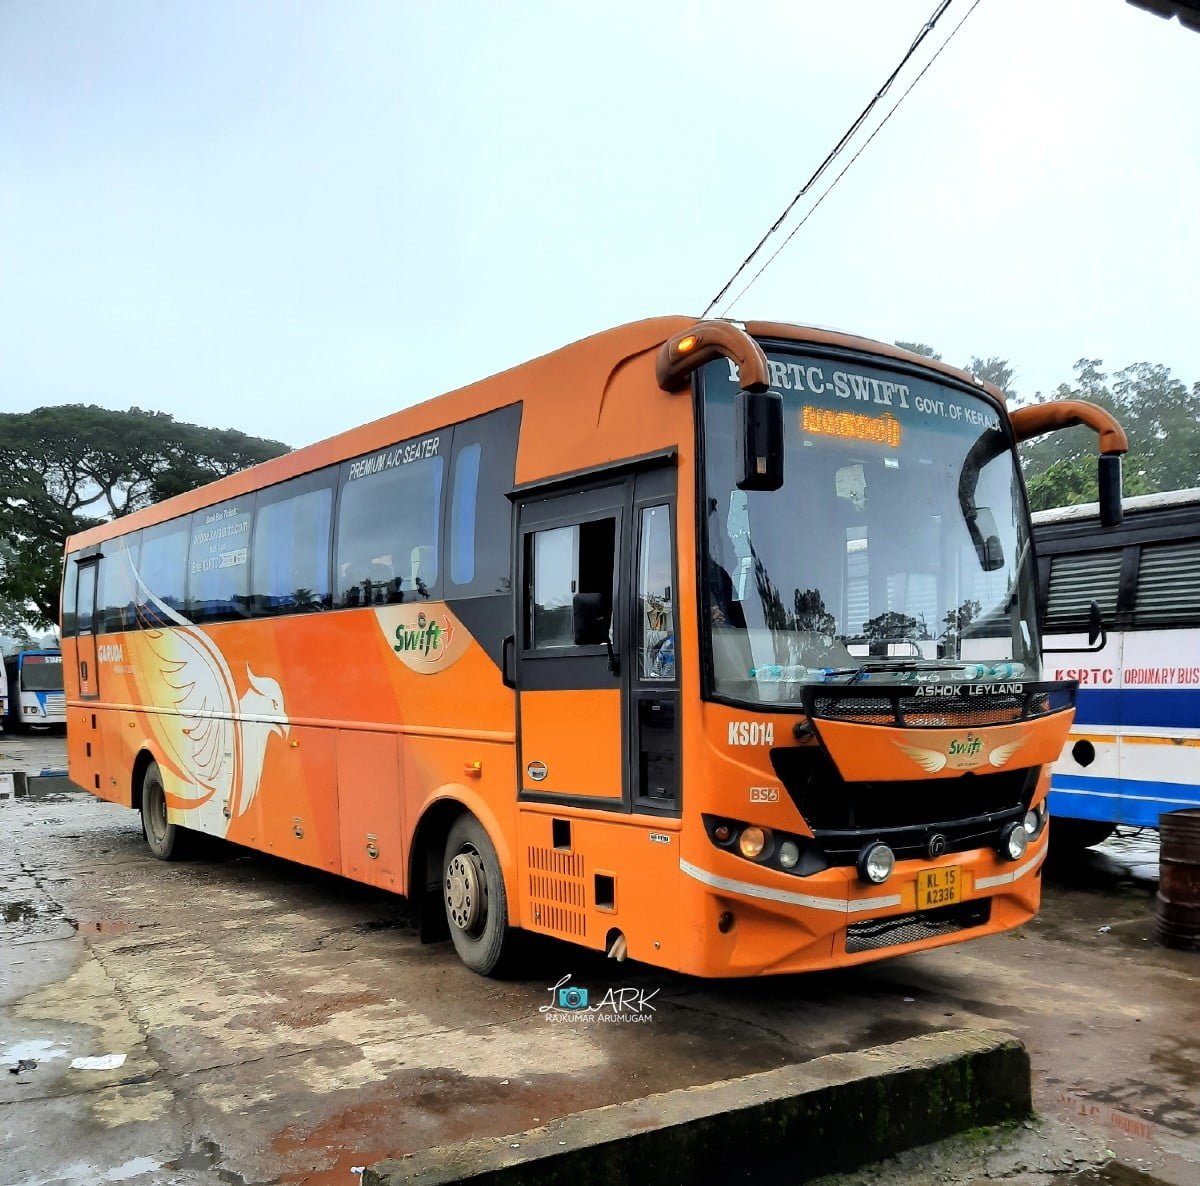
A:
x: 215, y: 755
x: 1002, y: 753
x: 928, y: 759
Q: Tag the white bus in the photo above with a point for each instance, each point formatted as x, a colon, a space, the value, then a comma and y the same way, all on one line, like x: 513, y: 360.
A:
x: 1134, y: 750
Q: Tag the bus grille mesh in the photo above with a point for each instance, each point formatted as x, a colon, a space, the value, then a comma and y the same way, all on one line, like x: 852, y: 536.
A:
x: 557, y: 891
x: 873, y: 934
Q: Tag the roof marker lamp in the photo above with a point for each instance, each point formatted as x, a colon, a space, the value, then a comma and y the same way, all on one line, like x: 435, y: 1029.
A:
x: 1014, y: 840
x: 875, y: 863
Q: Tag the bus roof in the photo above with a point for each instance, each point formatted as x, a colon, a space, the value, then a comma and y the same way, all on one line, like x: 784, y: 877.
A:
x: 1139, y: 503
x: 582, y: 371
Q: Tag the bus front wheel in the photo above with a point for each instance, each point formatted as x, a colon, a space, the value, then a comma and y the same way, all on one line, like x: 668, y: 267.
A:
x: 167, y: 841
x: 475, y: 900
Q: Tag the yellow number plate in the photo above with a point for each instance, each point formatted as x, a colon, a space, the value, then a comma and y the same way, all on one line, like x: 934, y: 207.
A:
x: 939, y: 887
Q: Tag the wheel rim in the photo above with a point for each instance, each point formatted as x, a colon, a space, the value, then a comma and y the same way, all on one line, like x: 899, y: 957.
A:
x: 156, y: 815
x: 466, y: 892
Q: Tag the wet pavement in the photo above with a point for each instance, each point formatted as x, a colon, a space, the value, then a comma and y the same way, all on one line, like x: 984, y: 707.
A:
x: 280, y: 1025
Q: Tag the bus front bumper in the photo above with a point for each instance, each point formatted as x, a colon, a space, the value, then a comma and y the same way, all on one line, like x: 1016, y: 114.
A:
x: 778, y: 923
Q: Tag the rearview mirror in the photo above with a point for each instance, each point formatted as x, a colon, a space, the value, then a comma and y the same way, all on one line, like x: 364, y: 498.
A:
x: 985, y: 537
x: 759, y: 418
x: 1108, y: 478
x: 1095, y: 625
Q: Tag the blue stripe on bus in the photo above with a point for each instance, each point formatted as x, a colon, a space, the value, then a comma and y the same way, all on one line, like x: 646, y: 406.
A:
x: 1119, y: 801
x: 1139, y: 706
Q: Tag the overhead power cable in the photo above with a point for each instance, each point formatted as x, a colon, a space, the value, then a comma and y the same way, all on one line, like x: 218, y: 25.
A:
x: 846, y: 168
x: 849, y: 134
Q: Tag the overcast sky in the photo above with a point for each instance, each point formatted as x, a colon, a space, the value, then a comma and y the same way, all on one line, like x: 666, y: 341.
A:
x: 291, y: 218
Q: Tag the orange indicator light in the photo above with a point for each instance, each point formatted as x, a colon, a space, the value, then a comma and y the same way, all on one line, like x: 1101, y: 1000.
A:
x: 686, y: 345
x: 853, y: 426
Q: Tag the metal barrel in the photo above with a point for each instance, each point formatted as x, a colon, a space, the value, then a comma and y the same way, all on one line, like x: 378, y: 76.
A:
x: 1179, y: 879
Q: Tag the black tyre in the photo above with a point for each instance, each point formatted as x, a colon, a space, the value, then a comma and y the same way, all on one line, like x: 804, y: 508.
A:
x: 167, y: 841
x: 1073, y: 835
x: 474, y: 898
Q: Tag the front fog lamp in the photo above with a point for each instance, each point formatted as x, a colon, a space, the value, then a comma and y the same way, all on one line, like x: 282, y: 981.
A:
x: 752, y: 843
x: 1014, y: 840
x: 875, y: 863
x: 789, y: 854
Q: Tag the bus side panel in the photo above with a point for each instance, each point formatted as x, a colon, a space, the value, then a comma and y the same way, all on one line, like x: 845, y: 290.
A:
x: 601, y: 874
x: 300, y: 800
x: 371, y: 808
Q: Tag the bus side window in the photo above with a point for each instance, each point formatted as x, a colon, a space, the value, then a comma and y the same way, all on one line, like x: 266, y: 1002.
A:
x: 656, y: 610
x: 566, y: 563
x: 162, y: 566
x: 218, y: 561
x: 1168, y: 584
x: 479, y: 514
x: 70, y: 584
x: 117, y: 595
x: 289, y: 565
x: 389, y: 514
x: 1076, y: 580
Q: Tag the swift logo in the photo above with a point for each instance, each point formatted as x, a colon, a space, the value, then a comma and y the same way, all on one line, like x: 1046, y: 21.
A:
x: 751, y: 733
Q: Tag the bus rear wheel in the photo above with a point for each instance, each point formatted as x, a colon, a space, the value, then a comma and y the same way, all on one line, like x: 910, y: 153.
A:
x: 475, y: 900
x: 167, y: 841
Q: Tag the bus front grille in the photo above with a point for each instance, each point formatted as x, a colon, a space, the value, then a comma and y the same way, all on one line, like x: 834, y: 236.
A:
x: 968, y: 811
x: 872, y: 934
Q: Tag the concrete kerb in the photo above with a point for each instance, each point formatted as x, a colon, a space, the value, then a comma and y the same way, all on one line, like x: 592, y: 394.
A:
x: 833, y: 1113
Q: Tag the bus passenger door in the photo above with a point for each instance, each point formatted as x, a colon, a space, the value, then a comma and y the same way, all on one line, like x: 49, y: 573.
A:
x: 570, y: 646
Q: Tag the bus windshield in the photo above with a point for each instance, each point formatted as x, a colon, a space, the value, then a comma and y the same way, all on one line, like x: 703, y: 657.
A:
x: 897, y: 547
x: 41, y: 673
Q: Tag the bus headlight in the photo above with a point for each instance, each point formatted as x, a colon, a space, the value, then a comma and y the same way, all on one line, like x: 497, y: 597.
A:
x: 1014, y: 840
x: 875, y: 863
x: 753, y: 841
x: 1033, y: 822
x: 789, y: 854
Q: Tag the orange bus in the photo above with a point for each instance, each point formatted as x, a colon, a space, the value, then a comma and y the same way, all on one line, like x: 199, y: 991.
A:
x: 711, y: 644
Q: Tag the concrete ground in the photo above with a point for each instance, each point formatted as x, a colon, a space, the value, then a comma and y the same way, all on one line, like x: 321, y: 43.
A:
x: 282, y: 1026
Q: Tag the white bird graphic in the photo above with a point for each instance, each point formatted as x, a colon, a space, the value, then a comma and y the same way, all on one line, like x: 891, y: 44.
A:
x: 1001, y: 754
x: 928, y: 759
x: 212, y: 744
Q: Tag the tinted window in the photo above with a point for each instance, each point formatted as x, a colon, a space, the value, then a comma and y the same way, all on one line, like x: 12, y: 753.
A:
x: 116, y: 602
x: 462, y: 515
x: 389, y: 513
x: 1075, y: 582
x: 162, y: 566
x: 219, y: 561
x: 290, y: 564
x: 41, y: 673
x: 1168, y: 585
x: 479, y: 527
x: 86, y: 598
x: 70, y: 585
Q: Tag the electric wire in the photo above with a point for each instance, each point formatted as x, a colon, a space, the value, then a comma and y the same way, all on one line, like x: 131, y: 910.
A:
x: 849, y: 164
x: 924, y: 32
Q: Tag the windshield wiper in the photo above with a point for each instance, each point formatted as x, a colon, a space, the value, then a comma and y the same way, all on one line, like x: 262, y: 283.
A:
x: 901, y: 664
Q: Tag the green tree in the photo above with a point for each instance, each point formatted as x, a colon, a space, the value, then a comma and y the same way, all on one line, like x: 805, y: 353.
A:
x: 64, y: 469
x: 922, y: 349
x: 1160, y: 415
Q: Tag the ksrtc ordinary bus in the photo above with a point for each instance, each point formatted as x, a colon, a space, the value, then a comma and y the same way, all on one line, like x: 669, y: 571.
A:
x: 707, y: 644
x: 1134, y: 750
x: 35, y: 690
